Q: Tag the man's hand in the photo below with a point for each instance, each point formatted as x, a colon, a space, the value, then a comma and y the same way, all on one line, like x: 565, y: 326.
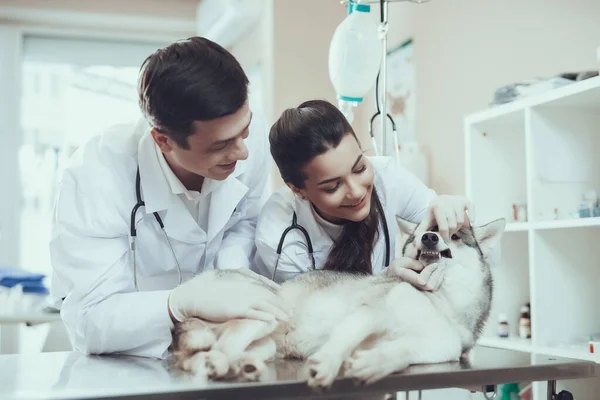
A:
x: 220, y: 299
x: 449, y: 213
x: 427, y: 278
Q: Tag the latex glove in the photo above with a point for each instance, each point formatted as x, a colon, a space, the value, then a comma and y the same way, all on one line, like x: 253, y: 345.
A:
x: 449, y: 213
x: 220, y: 299
x: 427, y: 278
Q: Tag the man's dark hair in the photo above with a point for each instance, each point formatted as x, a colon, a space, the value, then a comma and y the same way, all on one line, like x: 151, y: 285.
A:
x: 187, y: 81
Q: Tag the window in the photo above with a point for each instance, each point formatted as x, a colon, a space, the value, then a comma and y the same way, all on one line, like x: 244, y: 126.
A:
x: 71, y: 90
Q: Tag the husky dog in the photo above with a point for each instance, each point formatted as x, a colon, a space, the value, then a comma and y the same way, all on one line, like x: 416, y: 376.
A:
x: 371, y: 326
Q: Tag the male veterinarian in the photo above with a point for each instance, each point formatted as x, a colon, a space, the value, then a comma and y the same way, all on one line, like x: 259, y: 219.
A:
x: 142, y: 209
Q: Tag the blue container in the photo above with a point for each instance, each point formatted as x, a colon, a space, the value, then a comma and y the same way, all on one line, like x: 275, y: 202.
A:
x: 585, y: 212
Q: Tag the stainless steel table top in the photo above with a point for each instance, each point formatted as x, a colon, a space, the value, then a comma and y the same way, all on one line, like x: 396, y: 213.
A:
x: 72, y: 375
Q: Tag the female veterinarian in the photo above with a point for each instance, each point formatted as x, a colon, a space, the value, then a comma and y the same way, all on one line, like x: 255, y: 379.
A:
x: 339, y: 208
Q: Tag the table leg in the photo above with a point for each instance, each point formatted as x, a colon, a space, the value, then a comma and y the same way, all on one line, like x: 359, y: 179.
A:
x: 490, y: 392
x: 406, y: 394
x: 9, y: 338
x: 551, y: 390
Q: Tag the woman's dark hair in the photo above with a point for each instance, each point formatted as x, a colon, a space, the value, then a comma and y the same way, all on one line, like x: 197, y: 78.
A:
x: 300, y: 135
x: 187, y: 81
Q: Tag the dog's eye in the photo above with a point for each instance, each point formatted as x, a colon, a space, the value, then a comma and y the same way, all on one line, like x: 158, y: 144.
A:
x: 455, y: 237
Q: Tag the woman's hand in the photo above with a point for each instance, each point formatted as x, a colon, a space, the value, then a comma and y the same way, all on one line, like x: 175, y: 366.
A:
x: 427, y: 278
x: 449, y: 213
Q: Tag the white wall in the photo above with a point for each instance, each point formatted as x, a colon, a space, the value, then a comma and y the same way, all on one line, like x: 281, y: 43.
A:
x: 465, y: 49
x: 292, y: 42
x: 253, y: 52
x: 10, y: 185
x: 302, y: 35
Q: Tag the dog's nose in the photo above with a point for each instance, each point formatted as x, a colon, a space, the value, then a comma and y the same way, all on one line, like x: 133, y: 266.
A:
x: 429, y: 239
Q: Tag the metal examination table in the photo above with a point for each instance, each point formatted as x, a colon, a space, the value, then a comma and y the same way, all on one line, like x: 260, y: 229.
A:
x: 72, y: 375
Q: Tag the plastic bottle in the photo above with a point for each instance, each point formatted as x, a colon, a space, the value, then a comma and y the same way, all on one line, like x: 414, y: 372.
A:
x: 355, y: 55
x: 502, y: 326
x: 525, y: 323
x: 510, y: 391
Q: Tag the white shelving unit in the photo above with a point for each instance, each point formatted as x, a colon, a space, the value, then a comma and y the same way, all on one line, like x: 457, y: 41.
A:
x: 543, y: 151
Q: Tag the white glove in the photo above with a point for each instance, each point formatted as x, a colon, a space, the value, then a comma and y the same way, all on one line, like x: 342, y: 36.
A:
x: 427, y: 278
x: 449, y: 213
x: 220, y: 299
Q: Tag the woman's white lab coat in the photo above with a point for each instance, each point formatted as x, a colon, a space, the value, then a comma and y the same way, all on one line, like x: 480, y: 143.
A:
x: 401, y: 194
x: 90, y: 245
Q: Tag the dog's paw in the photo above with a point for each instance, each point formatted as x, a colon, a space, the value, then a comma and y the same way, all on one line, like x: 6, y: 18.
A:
x: 196, y: 364
x: 193, y: 335
x: 216, y: 363
x: 201, y: 340
x: 369, y: 366
x: 322, y: 370
x: 249, y: 369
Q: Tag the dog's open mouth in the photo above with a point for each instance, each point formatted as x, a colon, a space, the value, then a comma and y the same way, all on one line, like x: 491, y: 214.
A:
x: 433, y: 254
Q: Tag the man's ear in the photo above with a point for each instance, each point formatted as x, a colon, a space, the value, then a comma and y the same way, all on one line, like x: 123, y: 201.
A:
x: 163, y: 142
x: 297, y: 191
x: 489, y: 235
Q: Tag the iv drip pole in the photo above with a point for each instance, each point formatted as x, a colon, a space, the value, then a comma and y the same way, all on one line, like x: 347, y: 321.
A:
x: 383, y: 32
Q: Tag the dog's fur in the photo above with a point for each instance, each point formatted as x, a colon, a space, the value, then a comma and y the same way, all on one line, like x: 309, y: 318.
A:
x: 371, y: 325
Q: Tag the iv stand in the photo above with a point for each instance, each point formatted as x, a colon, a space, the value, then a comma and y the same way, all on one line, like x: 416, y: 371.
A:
x: 383, y: 31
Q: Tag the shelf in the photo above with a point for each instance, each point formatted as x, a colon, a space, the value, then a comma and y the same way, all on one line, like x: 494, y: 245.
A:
x: 566, y: 223
x: 496, y: 152
x: 507, y: 115
x: 517, y: 226
x: 552, y: 98
x: 541, y: 151
x: 576, y: 352
x: 554, y: 224
x: 511, y: 285
x: 526, y: 346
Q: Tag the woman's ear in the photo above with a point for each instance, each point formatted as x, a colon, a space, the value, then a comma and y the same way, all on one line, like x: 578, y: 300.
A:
x: 297, y: 191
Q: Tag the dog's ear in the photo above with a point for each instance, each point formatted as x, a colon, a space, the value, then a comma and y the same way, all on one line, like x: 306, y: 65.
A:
x: 407, y: 228
x: 489, y: 235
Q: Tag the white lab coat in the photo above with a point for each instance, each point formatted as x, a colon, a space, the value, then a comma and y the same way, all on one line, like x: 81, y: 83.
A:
x: 401, y: 194
x: 90, y: 251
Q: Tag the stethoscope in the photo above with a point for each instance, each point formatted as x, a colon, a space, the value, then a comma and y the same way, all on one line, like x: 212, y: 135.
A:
x: 296, y: 225
x: 394, y: 134
x: 389, y: 117
x: 133, y: 232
